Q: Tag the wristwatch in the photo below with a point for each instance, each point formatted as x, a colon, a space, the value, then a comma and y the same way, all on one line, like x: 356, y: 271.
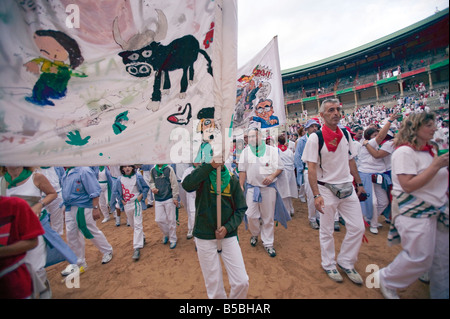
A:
x: 95, y: 207
x: 359, y: 185
x: 318, y: 195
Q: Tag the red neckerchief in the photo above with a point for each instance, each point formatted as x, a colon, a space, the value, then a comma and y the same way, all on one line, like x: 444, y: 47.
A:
x: 331, y: 138
x: 282, y: 147
x: 387, y: 138
x: 427, y: 148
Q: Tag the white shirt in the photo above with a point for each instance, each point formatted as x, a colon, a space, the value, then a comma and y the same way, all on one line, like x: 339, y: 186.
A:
x: 129, y: 190
x: 388, y: 147
x: 335, y: 167
x: 405, y: 160
x: 258, y: 168
x: 368, y: 163
x: 358, y: 146
x: 291, y: 146
x: 102, y: 176
x: 364, y: 158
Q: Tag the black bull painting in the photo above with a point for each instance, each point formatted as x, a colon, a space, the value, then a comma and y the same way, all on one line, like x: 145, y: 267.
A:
x: 143, y: 53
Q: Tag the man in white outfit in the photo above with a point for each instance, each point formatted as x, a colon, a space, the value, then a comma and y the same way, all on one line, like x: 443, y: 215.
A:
x: 259, y: 166
x: 336, y: 166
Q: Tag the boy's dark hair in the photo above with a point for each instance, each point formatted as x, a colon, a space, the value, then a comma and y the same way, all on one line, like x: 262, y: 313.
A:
x: 69, y: 44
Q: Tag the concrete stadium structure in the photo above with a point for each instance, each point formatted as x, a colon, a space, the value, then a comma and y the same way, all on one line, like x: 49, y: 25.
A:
x: 374, y: 73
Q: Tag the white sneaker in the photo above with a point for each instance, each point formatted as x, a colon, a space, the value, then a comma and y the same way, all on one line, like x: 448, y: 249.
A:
x: 107, y: 258
x: 425, y: 278
x: 73, y: 268
x: 353, y: 275
x: 388, y: 293
x: 334, y: 275
x: 105, y: 220
x: 373, y: 230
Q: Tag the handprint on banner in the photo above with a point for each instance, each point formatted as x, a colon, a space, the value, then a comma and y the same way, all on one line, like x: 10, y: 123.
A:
x: 29, y: 125
x: 75, y: 138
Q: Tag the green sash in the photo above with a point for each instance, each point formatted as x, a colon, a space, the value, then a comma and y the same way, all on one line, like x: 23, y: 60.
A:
x: 81, y: 222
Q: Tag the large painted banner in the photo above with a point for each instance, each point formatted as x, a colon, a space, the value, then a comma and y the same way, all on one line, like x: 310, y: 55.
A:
x: 259, y: 99
x: 114, y: 82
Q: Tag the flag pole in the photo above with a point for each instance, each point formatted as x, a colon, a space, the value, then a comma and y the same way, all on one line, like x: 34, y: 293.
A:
x: 219, y: 204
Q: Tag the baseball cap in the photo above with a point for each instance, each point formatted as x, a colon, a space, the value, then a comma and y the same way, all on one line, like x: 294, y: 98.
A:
x: 311, y: 122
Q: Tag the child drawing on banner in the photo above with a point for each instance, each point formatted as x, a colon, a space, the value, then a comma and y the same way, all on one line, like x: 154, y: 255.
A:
x: 264, y: 114
x: 210, y: 132
x: 55, y: 48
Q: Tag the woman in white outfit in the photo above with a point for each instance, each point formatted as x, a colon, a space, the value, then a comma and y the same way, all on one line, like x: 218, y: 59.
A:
x: 419, y: 210
x: 371, y: 171
x: 286, y: 182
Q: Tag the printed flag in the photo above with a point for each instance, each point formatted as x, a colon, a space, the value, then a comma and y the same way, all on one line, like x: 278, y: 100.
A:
x: 259, y: 98
x: 114, y: 82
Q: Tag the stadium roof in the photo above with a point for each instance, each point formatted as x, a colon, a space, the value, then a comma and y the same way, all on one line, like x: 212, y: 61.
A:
x: 371, y: 45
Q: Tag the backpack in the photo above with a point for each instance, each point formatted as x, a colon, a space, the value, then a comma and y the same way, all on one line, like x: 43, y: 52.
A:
x: 321, y: 142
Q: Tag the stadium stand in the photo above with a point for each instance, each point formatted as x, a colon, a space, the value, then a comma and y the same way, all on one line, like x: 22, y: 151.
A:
x: 378, y: 72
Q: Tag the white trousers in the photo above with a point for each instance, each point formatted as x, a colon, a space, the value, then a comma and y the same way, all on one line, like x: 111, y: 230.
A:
x: 233, y: 261
x: 439, y: 280
x: 418, y: 240
x: 75, y: 238
x: 56, y: 214
x: 103, y: 200
x: 287, y: 201
x: 302, y: 191
x: 165, y: 217
x: 182, y: 194
x: 380, y: 202
x: 190, y: 209
x: 312, y: 213
x: 37, y: 258
x: 350, y: 210
x: 134, y: 218
x: 264, y: 210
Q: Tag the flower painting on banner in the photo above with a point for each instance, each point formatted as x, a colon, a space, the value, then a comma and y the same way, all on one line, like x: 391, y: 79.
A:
x: 112, y: 82
x: 259, y: 98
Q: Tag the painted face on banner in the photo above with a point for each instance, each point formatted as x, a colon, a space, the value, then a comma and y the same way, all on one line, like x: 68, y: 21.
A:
x: 50, y: 48
x: 208, y: 129
x: 264, y: 110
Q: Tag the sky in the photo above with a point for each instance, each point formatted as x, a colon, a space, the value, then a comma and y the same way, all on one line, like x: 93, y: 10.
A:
x: 311, y: 30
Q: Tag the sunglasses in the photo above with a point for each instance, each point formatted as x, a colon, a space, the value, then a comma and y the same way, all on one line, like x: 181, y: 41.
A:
x: 263, y: 109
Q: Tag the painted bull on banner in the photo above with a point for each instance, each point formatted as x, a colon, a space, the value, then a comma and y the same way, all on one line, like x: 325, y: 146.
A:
x: 143, y: 53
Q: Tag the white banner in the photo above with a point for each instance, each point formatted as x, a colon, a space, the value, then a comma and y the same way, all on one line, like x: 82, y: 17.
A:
x: 259, y: 97
x: 114, y: 82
